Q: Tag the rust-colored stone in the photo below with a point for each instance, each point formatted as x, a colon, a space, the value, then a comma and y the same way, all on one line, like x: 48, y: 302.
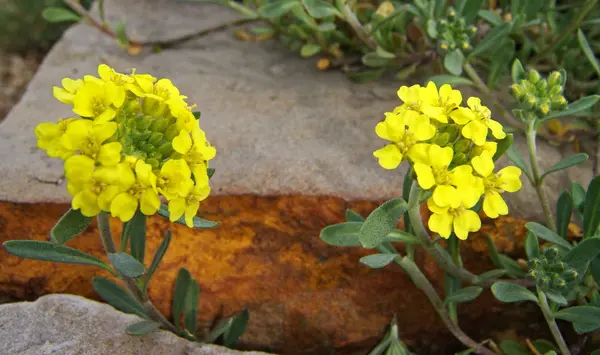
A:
x: 303, y: 295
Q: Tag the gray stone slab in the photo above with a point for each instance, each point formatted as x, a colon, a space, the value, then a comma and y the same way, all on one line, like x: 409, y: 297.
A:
x: 68, y: 325
x: 280, y: 126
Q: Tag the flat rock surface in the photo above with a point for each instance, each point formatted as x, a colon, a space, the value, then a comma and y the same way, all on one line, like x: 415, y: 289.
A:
x: 280, y: 126
x: 68, y: 325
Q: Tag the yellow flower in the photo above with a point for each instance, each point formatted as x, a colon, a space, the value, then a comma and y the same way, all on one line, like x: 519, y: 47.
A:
x: 174, y: 179
x: 195, y: 150
x: 68, y: 91
x: 98, y: 100
x: 433, y: 172
x: 87, y: 138
x: 438, y: 105
x: 139, y: 84
x: 90, y: 193
x: 494, y: 184
x: 188, y: 205
x: 477, y: 119
x: 49, y: 138
x: 405, y: 129
x: 460, y: 219
x: 141, y: 192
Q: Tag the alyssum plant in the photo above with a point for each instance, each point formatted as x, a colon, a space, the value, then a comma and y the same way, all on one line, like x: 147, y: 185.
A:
x: 135, y: 149
x: 452, y: 151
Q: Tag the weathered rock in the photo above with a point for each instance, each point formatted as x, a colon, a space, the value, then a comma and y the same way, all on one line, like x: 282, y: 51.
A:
x: 68, y: 324
x: 302, y: 294
x: 280, y: 126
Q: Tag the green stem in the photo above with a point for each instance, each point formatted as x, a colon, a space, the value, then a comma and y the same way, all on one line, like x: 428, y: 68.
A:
x: 481, y: 85
x: 424, y: 285
x: 452, y: 283
x: 543, y: 303
x: 538, y: 182
x: 109, y: 247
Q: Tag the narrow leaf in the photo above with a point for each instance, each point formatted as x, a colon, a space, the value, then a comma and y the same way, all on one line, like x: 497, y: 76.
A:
x: 46, y: 251
x: 513, y: 155
x: 582, y: 254
x: 509, y: 292
x: 532, y: 246
x: 127, y: 265
x: 471, y: 9
x: 179, y: 295
x: 564, y: 208
x: 137, y: 238
x: 381, y: 222
x: 70, y: 225
x: 198, y: 222
x: 567, y: 163
x: 440, y: 80
x: 575, y: 107
x: 503, y: 145
x: 320, y: 8
x: 587, y: 315
x: 490, y: 275
x: 57, y: 14
x: 236, y: 329
x: 491, y: 40
x: 117, y: 297
x: 376, y: 261
x: 275, y: 9
x: 557, y: 298
x: 352, y: 216
x: 591, y: 208
x: 342, y: 234
x: 466, y: 294
x: 542, y: 232
x: 210, y: 172
x: 399, y: 236
x: 587, y: 50
x: 160, y: 253
x: 453, y: 62
x: 492, y: 17
x: 517, y: 71
x: 142, y: 328
x: 190, y: 306
x: 309, y: 49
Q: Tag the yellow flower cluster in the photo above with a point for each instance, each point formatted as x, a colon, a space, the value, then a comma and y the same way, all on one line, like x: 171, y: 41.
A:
x: 451, y: 151
x: 135, y: 140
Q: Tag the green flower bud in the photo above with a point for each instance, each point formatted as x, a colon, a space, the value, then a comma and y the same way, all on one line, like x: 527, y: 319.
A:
x: 155, y: 138
x: 559, y: 103
x: 142, y: 123
x: 530, y: 102
x: 171, y: 132
x: 570, y: 274
x: 452, y: 45
x: 465, y: 46
x: 551, y: 253
x: 461, y: 22
x: 459, y: 159
x: 144, y: 136
x: 153, y: 162
x: 155, y: 155
x: 555, y: 91
x: 451, y: 13
x: 166, y: 149
x: 554, y: 79
x: 159, y: 125
x: 535, y: 274
x: 518, y: 91
x: 544, y: 282
x: 442, y: 139
x: 542, y: 86
x: 453, y: 130
x: 472, y: 31
x: 534, y: 76
x: 147, y: 147
x: 558, y: 284
x: 535, y: 263
x: 544, y: 109
x: 462, y: 146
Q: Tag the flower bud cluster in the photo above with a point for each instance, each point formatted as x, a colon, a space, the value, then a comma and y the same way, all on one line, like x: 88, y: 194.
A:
x: 550, y: 273
x: 455, y: 33
x: 540, y: 95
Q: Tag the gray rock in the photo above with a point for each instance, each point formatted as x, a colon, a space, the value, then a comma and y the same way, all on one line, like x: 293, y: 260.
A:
x: 280, y: 126
x: 69, y: 325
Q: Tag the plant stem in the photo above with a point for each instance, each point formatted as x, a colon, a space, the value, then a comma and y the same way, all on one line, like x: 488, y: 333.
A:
x: 543, y: 302
x: 358, y: 28
x: 481, y: 85
x: 424, y: 285
x: 109, y: 247
x: 451, y: 281
x: 441, y: 259
x: 538, y: 182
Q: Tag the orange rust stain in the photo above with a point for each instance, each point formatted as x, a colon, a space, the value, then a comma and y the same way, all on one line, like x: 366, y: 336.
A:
x: 266, y: 256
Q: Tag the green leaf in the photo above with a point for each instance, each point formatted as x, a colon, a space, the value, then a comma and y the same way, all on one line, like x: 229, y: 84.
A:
x: 591, y: 208
x: 383, y: 53
x: 198, y: 222
x: 513, y: 155
x: 490, y: 16
x: 564, y: 208
x: 587, y: 316
x: 58, y: 14
x: 342, y: 234
x: 544, y: 233
x: 197, y: 115
x: 142, y: 328
x: 432, y: 28
x: 491, y: 40
x: 210, y: 172
x: 532, y: 246
x: 117, y: 297
x: 471, y: 9
x: 509, y: 292
x: 160, y: 253
x: 373, y: 60
x: 237, y: 327
x: 440, y: 80
x: 376, y: 261
x: 517, y: 71
x: 567, y: 163
x: 365, y: 75
x: 512, y: 267
x: 137, y: 239
x: 326, y: 27
x: 503, y: 145
x: 274, y: 9
x: 466, y: 294
x: 381, y: 222
x: 587, y: 50
x: 453, y: 62
x: 121, y: 33
x: 321, y: 8
x: 70, y: 225
x: 190, y: 306
x: 310, y: 49
x: 578, y: 194
x: 182, y: 284
x: 582, y: 254
x: 543, y: 346
x: 557, y: 298
x: 352, y: 216
x: 126, y: 264
x: 491, y: 275
x: 46, y: 251
x: 575, y: 107
x: 511, y: 347
x: 301, y: 14
x: 400, y: 236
